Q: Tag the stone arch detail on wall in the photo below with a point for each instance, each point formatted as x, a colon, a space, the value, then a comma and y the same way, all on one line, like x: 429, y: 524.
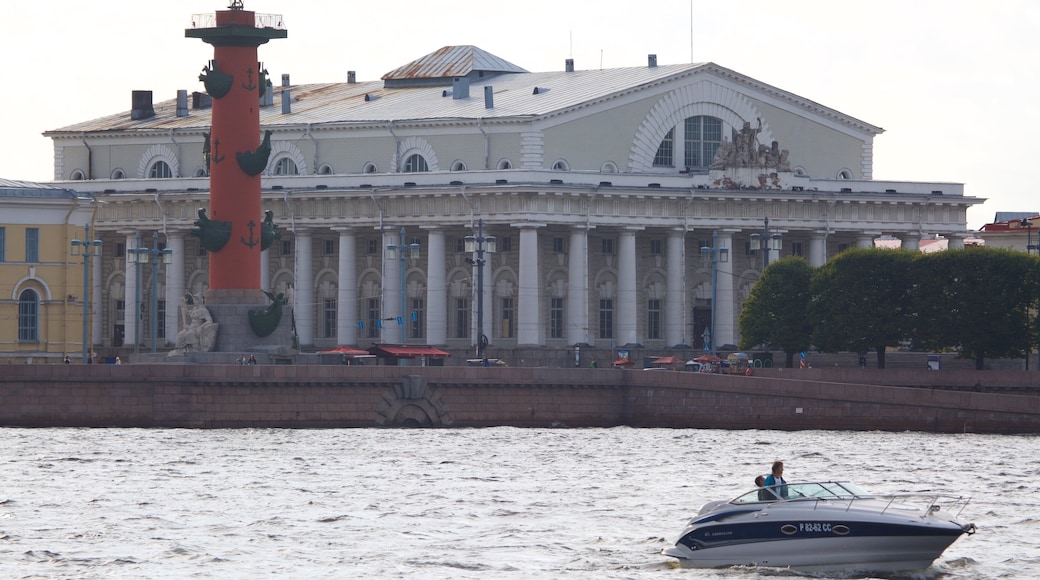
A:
x: 158, y: 153
x: 413, y: 145
x: 283, y: 149
x: 413, y: 403
x: 702, y: 98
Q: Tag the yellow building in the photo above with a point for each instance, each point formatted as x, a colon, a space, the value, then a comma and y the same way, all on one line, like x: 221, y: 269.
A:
x: 41, y: 282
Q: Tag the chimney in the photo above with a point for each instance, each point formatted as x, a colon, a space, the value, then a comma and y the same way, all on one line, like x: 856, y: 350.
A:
x: 286, y: 96
x: 141, y: 105
x: 285, y: 80
x: 651, y: 60
x: 489, y: 97
x: 268, y: 98
x: 569, y: 65
x: 182, y: 103
x: 351, y: 77
x: 201, y: 100
x: 460, y: 88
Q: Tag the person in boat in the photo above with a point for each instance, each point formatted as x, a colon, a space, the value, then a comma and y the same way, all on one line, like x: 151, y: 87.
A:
x: 775, y: 480
x: 763, y: 493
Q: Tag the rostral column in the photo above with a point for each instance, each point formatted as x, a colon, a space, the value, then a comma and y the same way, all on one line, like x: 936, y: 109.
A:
x: 237, y: 155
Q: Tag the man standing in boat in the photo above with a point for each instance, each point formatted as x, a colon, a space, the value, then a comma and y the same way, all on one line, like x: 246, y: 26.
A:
x: 776, y: 481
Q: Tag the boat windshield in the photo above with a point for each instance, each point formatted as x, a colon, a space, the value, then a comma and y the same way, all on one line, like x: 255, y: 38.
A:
x: 812, y: 490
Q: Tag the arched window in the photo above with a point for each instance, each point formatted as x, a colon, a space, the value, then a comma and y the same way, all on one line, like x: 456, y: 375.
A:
x: 560, y: 165
x: 28, y: 316
x: 663, y: 157
x: 609, y: 167
x: 159, y: 170
x: 703, y: 138
x: 325, y: 169
x: 285, y: 166
x: 415, y: 164
x: 844, y: 174
x: 370, y: 168
x: 200, y: 172
x: 118, y: 174
x: 458, y: 166
x: 505, y: 164
x: 77, y: 175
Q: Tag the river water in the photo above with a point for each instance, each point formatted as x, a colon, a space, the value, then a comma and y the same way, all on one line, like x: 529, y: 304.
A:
x: 466, y: 503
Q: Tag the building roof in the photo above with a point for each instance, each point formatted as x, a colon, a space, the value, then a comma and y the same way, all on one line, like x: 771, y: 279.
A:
x: 29, y: 189
x: 514, y: 94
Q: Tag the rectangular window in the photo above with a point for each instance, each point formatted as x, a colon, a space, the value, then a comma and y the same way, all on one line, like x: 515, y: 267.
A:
x: 608, y: 245
x: 556, y: 318
x: 3, y: 244
x: 32, y: 244
x: 606, y: 318
x: 655, y: 248
x: 28, y: 313
x: 460, y: 245
x: 286, y: 247
x: 505, y: 244
x: 372, y: 247
x: 461, y: 318
x: 328, y: 317
x: 160, y: 322
x: 796, y: 249
x: 558, y: 247
x: 372, y: 311
x: 417, y: 319
x: 508, y: 318
x: 329, y: 247
x: 120, y: 249
x: 653, y: 319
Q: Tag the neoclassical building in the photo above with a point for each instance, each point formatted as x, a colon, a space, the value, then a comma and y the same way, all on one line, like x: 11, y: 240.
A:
x: 625, y: 203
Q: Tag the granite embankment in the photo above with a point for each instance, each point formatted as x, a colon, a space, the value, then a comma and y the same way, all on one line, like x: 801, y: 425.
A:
x: 315, y: 396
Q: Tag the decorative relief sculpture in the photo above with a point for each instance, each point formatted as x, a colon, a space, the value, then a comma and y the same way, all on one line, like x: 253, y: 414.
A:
x: 743, y: 150
x: 217, y: 83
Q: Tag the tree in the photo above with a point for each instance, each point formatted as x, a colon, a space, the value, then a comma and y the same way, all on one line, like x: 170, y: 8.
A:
x: 776, y: 312
x: 860, y: 301
x: 978, y: 301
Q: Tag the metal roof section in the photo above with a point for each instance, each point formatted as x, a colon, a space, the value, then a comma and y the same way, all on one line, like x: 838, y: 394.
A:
x: 441, y: 66
x: 374, y: 103
x: 29, y: 189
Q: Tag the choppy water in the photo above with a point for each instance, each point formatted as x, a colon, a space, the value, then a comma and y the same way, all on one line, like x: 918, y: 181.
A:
x: 472, y: 503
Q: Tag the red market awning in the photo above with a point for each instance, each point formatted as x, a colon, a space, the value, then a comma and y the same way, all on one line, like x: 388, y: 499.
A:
x: 410, y: 351
x: 668, y: 360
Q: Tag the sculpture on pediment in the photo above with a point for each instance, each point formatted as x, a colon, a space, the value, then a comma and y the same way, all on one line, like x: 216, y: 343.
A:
x: 743, y: 150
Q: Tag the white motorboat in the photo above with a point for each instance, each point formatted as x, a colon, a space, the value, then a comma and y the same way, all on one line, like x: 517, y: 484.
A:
x: 822, y: 527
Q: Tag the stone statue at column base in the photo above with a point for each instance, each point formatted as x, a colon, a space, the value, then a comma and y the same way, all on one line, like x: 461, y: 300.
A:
x: 199, y: 333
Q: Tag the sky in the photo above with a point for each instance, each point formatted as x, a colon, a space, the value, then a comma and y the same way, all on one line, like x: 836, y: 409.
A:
x: 946, y: 79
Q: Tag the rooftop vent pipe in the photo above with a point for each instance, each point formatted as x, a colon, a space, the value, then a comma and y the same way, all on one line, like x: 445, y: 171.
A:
x: 182, y: 103
x: 489, y: 97
x: 351, y: 77
x: 651, y: 60
x: 285, y: 80
x: 286, y: 96
x: 460, y: 88
x: 569, y: 65
x: 141, y: 105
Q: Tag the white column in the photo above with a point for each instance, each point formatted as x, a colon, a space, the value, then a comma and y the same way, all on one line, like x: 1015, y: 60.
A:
x: 866, y: 240
x: 817, y: 249
x: 911, y: 242
x: 130, y: 308
x: 578, y: 287
x: 303, y: 288
x: 436, y: 289
x: 265, y: 269
x: 955, y: 241
x: 529, y: 327
x: 174, y: 284
x: 391, y: 290
x: 627, y: 307
x: 674, y: 305
x: 725, y: 318
x: 347, y: 292
x: 489, y: 298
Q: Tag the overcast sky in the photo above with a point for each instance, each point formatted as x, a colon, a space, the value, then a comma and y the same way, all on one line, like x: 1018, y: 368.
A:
x: 953, y: 82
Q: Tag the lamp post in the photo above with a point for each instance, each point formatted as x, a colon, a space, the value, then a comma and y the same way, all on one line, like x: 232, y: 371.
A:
x: 83, y: 248
x: 717, y: 255
x: 143, y: 256
x: 766, y: 243
x: 1028, y: 225
x: 403, y: 252
x: 480, y: 244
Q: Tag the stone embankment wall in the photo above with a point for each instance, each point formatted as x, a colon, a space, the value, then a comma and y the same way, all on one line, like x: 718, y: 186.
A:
x: 220, y: 396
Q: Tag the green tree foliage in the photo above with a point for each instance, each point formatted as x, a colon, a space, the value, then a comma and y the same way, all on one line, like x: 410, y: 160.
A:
x: 860, y: 301
x: 978, y: 301
x: 776, y: 312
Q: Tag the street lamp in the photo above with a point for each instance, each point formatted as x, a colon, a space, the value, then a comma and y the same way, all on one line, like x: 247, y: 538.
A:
x: 403, y: 252
x: 766, y: 243
x: 1028, y: 225
x: 480, y: 244
x: 82, y: 248
x: 717, y: 255
x: 143, y: 256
